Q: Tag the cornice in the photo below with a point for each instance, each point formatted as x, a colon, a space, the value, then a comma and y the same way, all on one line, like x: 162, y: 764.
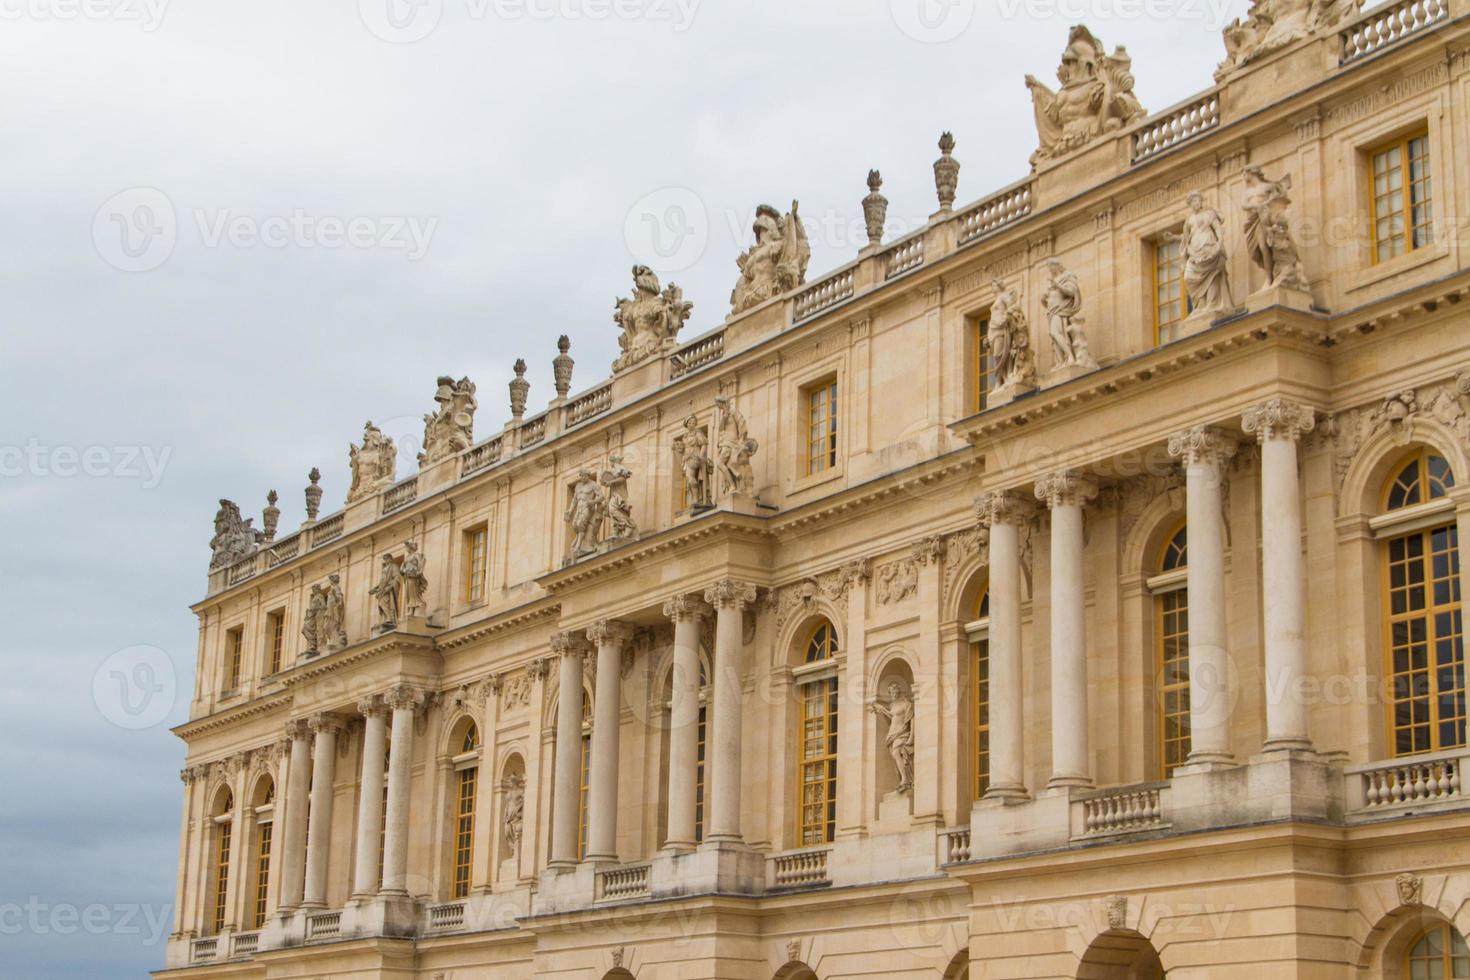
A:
x: 518, y: 618
x: 710, y: 527
x: 230, y: 717
x: 356, y: 654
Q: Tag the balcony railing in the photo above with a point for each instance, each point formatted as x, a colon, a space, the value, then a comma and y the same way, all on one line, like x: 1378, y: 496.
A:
x: 446, y: 917
x: 203, y: 950
x: 323, y: 925
x: 954, y: 845
x: 1174, y: 126
x: 903, y: 257
x: 590, y: 405
x: 401, y: 495
x: 1431, y: 781
x: 995, y: 212
x: 533, y: 431
x: 245, y: 944
x: 825, y: 294
x: 1389, y: 25
x: 692, y: 357
x: 620, y: 884
x: 283, y: 551
x: 328, y: 530
x: 240, y: 571
x: 1125, y: 810
x: 483, y: 456
x: 800, y: 869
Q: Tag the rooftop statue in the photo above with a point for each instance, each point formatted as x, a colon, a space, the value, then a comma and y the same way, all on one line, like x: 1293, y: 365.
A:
x: 234, y: 539
x: 374, y: 464
x: 1275, y: 24
x: 650, y: 320
x: 1096, y: 97
x: 451, y: 429
x: 776, y: 262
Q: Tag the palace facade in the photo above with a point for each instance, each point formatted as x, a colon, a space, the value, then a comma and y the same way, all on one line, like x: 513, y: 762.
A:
x: 1069, y: 589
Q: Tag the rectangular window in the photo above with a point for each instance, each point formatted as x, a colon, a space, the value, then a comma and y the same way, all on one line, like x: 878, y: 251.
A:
x: 821, y: 427
x: 476, y: 554
x: 699, y: 778
x: 980, y: 671
x: 221, y: 873
x: 817, y: 813
x: 1172, y: 625
x: 234, y: 640
x: 980, y: 367
x: 584, y: 793
x: 262, y: 871
x: 1402, y: 197
x: 275, y: 637
x: 1170, y: 300
x: 464, y: 831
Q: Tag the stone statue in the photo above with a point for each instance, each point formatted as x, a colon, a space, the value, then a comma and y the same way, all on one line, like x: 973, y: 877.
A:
x: 374, y: 464
x: 650, y: 320
x: 388, y: 594
x: 775, y: 263
x: 311, y: 620
x: 1206, y: 272
x: 1009, y: 336
x: 332, y: 624
x: 584, y: 515
x: 734, y: 450
x: 451, y: 429
x: 619, y: 509
x: 692, y: 448
x: 1268, y: 230
x: 234, y: 539
x: 1275, y: 24
x: 515, y: 812
x: 900, y: 714
x: 415, y: 582
x: 1096, y: 97
x: 1062, y: 300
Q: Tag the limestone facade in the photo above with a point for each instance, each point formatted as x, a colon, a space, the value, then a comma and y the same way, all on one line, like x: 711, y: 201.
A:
x: 1146, y: 621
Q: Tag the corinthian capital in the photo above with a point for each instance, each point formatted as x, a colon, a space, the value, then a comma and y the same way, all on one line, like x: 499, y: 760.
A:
x: 730, y: 594
x: 404, y: 696
x: 372, y: 706
x: 609, y: 632
x: 1280, y: 419
x: 298, y: 729
x: 325, y: 724
x: 1003, y: 507
x: 1202, y: 444
x: 1067, y: 488
x: 569, y: 644
x: 928, y: 551
x: 684, y: 609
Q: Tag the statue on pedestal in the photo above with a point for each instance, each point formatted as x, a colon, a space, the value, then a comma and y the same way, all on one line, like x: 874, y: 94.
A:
x: 1009, y: 338
x: 451, y: 429
x: 584, y: 515
x: 1268, y: 230
x: 415, y: 582
x: 234, y: 538
x: 650, y: 319
x: 734, y: 450
x: 1096, y: 97
x: 374, y: 464
x: 621, y: 526
x: 388, y: 593
x: 900, y: 741
x: 1206, y: 264
x: 775, y: 263
x: 1062, y: 300
x: 692, y: 448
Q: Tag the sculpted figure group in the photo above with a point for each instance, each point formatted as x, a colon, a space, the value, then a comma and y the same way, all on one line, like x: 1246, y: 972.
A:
x: 651, y: 320
x: 775, y: 263
x: 374, y: 464
x: 1274, y: 24
x: 598, y: 519
x: 1096, y: 97
x: 450, y: 429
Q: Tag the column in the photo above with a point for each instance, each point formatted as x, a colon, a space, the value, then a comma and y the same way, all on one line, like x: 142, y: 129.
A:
x: 1066, y: 493
x: 293, y: 831
x: 930, y: 710
x: 729, y: 600
x: 685, y: 612
x: 370, y: 799
x: 1279, y: 426
x: 602, y: 790
x: 567, y: 792
x: 1004, y: 512
x: 319, y: 827
x: 239, y: 840
x: 404, y: 701
x: 1205, y: 451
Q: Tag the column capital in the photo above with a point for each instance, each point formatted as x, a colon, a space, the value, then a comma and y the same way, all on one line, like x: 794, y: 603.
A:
x: 1279, y: 418
x: 324, y: 723
x: 404, y: 696
x: 928, y: 551
x: 609, y: 632
x: 537, y: 669
x: 685, y: 609
x: 372, y: 706
x: 569, y: 644
x: 1203, y: 444
x: 1065, y: 488
x: 730, y: 594
x: 298, y: 730
x: 1003, y: 507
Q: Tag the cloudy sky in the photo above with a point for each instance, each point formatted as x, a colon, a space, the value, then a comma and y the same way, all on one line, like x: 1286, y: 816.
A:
x: 235, y: 231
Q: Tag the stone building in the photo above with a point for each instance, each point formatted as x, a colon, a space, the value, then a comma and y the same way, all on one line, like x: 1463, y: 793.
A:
x: 1068, y: 589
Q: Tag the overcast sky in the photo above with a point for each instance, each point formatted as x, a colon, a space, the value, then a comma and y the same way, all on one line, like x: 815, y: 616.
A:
x: 232, y: 232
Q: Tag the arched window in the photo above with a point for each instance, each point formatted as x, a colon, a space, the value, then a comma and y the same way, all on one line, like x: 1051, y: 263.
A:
x: 1171, y: 630
x: 817, y: 785
x: 224, y: 824
x: 1424, y: 642
x: 265, y: 807
x: 1439, y: 954
x: 467, y: 777
x: 979, y: 632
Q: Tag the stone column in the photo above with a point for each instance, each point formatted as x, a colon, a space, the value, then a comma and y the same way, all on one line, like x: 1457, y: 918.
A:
x: 319, y: 827
x: 685, y: 612
x: 1066, y: 493
x: 1279, y: 426
x: 729, y: 598
x: 567, y: 791
x: 1205, y: 451
x: 1004, y: 512
x: 602, y: 791
x: 404, y: 701
x: 930, y: 710
x: 293, y: 831
x: 370, y: 799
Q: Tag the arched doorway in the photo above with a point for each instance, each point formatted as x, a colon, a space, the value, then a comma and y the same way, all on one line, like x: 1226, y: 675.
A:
x: 1121, y: 954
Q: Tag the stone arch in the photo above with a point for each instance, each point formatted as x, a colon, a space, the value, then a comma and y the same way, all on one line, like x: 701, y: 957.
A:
x: 263, y: 789
x: 1146, y: 539
x: 792, y: 648
x: 453, y: 732
x: 1375, y: 459
x: 971, y: 577
x: 795, y: 970
x: 959, y: 966
x: 221, y: 799
x: 1434, y: 903
x: 1120, y: 954
x: 617, y: 974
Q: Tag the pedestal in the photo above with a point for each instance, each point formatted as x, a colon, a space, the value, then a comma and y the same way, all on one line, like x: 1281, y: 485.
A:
x: 565, y: 889
x: 1063, y: 373
x: 741, y: 503
x: 895, y: 813
x: 716, y: 867
x: 1291, y: 299
x: 394, y: 916
x: 1007, y: 393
